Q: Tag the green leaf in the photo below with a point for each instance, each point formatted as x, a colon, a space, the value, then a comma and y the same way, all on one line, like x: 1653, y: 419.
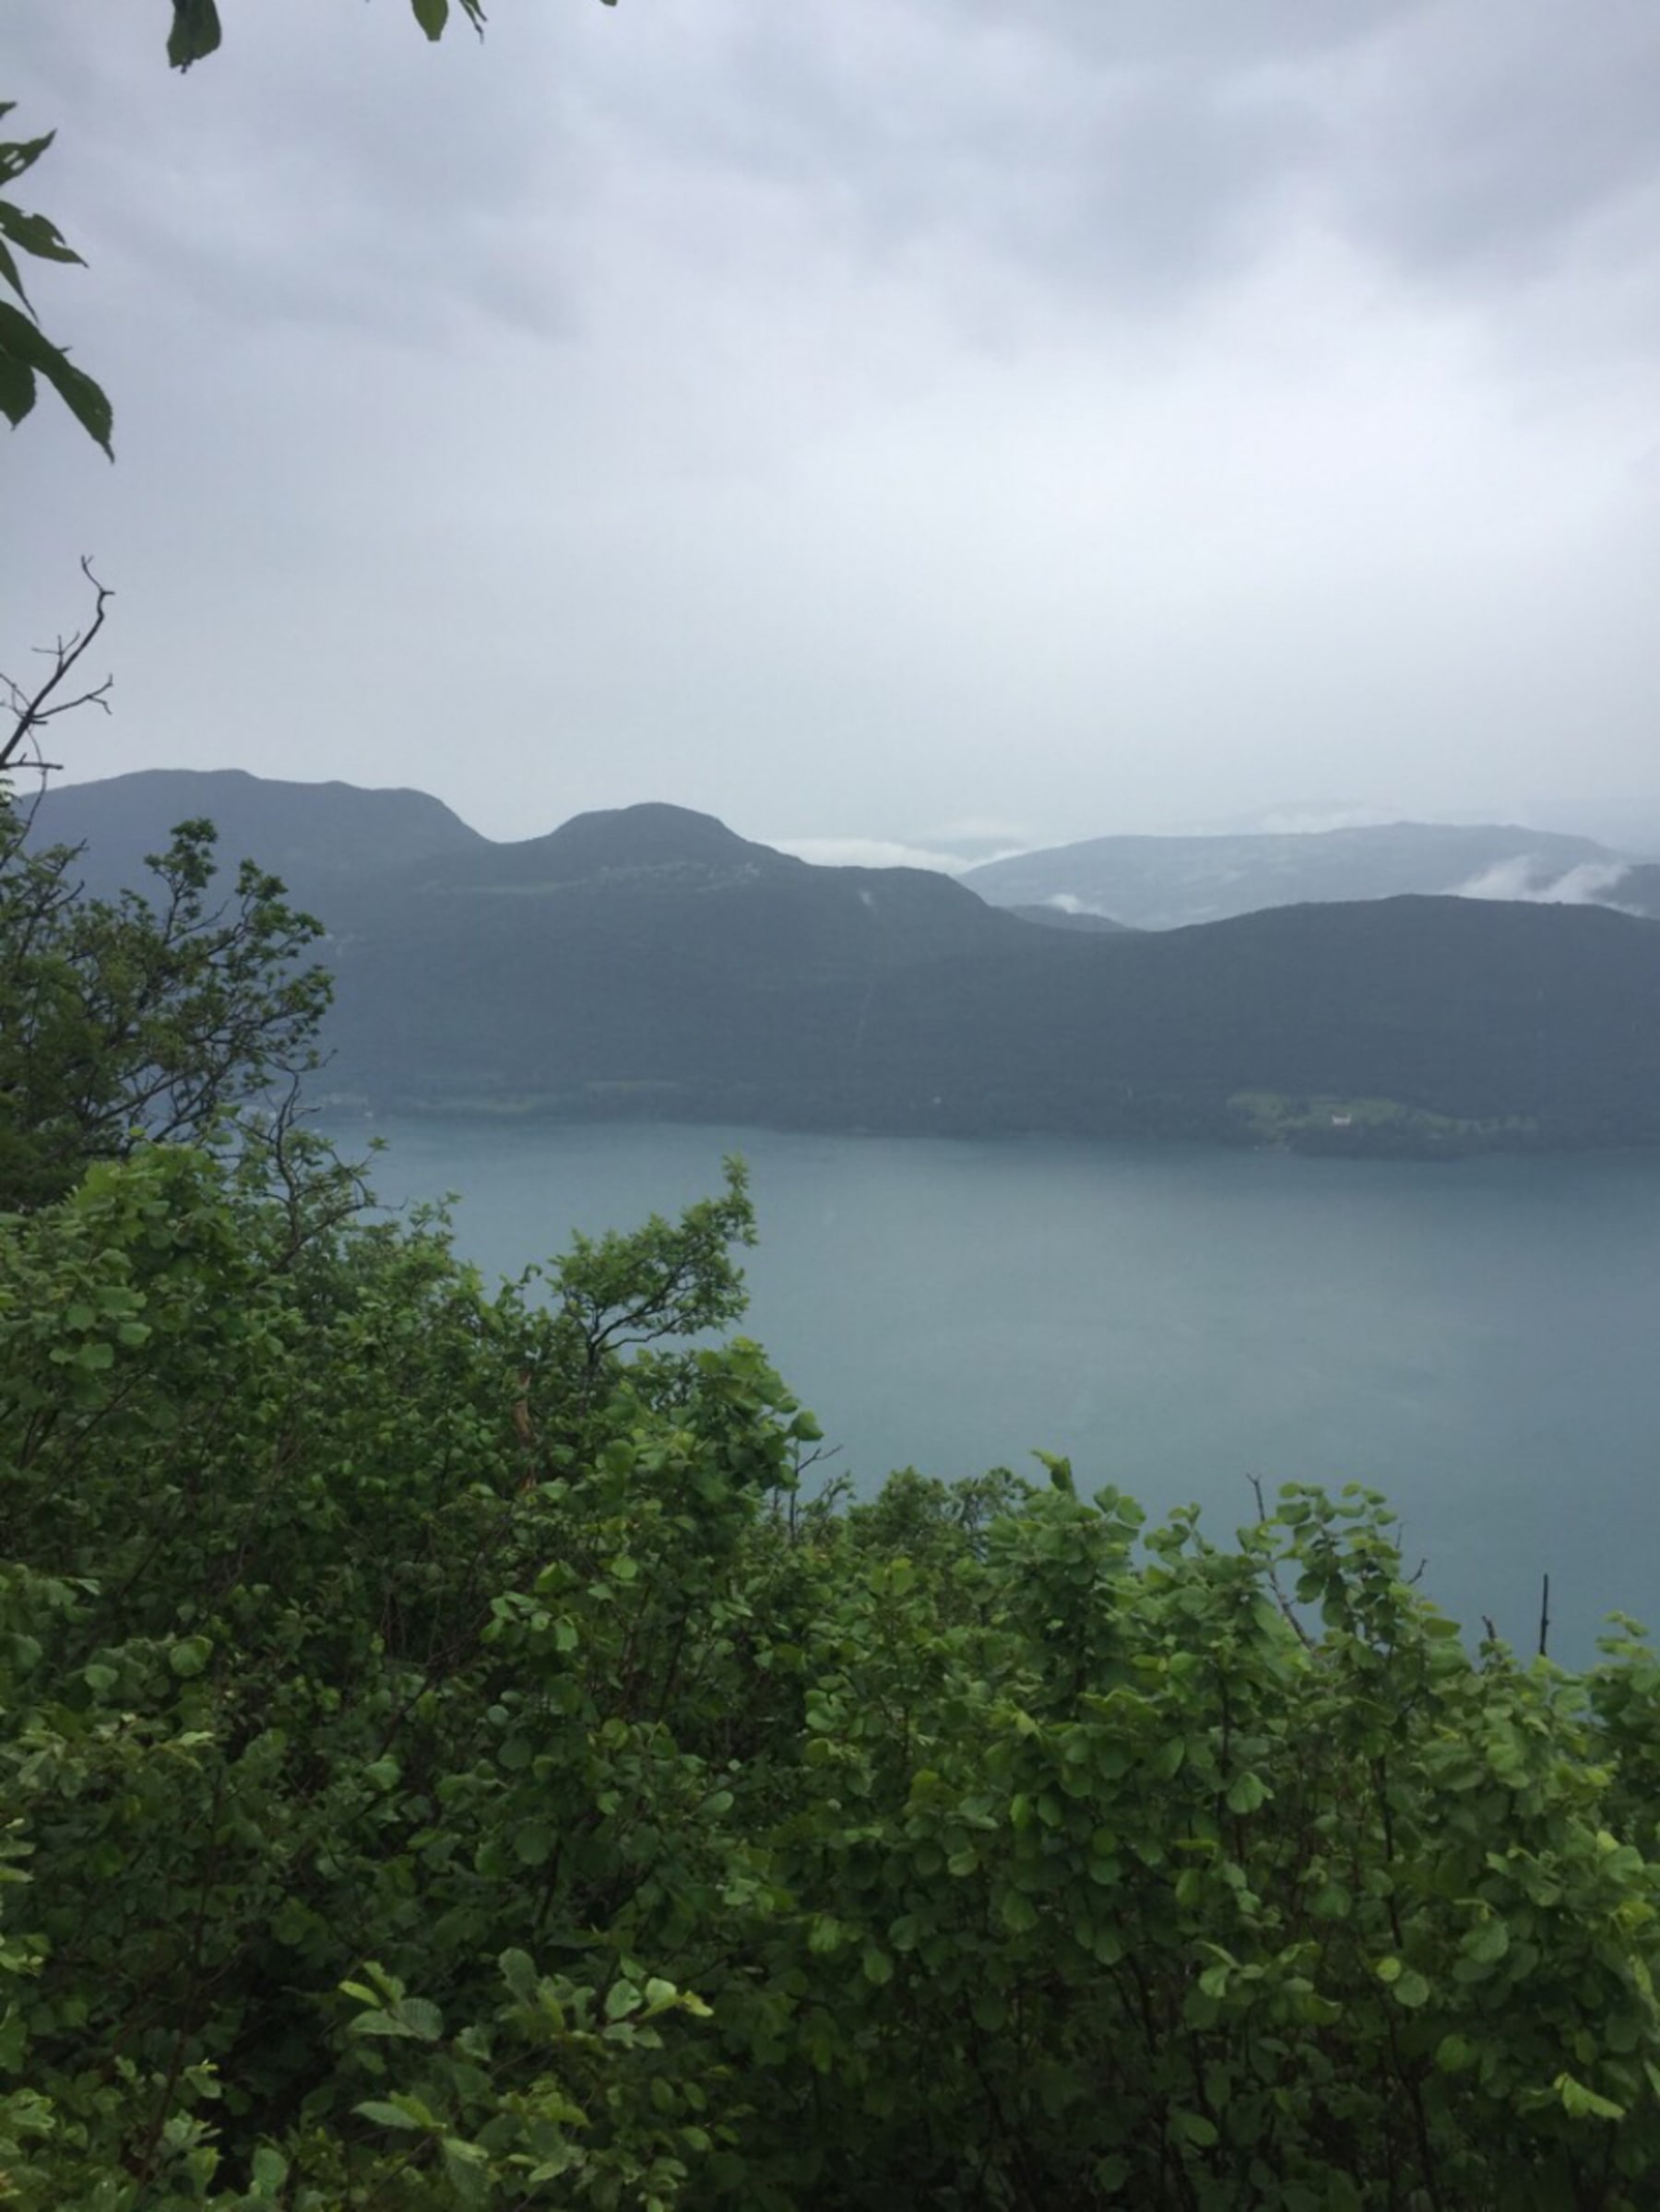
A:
x: 467, y: 2169
x: 270, y: 2169
x: 1246, y: 1793
x: 189, y: 1656
x: 16, y: 387
x: 1580, y: 2103
x: 533, y: 1845
x: 22, y: 343
x: 518, y: 1972
x: 1487, y: 1944
x: 391, y: 2115
x: 34, y: 234
x: 21, y: 153
x: 422, y: 2018
x: 432, y: 16
x: 1060, y: 1473
x: 1411, y: 1989
x: 8, y: 267
x: 195, y: 32
x: 621, y: 1998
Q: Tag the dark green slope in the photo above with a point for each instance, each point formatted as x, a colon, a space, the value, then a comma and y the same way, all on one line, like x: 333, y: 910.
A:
x: 315, y: 836
x: 649, y: 961
x: 646, y: 960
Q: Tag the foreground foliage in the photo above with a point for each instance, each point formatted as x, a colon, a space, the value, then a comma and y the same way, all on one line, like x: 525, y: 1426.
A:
x: 444, y: 1760
x: 161, y: 1017
x: 445, y: 1763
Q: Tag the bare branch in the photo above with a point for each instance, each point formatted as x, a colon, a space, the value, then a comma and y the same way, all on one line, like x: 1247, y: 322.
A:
x: 31, y: 711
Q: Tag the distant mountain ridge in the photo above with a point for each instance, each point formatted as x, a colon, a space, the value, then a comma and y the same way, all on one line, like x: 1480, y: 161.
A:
x: 1166, y: 883
x: 313, y: 836
x: 650, y: 962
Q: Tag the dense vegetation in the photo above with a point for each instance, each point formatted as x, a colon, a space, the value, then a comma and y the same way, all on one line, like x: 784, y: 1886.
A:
x: 448, y: 1759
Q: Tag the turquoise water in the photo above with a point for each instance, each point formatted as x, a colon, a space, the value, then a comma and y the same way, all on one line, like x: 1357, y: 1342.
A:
x: 1477, y: 1339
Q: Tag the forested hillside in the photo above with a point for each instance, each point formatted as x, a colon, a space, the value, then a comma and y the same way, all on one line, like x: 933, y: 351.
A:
x: 450, y: 1756
x: 320, y: 838
x: 648, y: 962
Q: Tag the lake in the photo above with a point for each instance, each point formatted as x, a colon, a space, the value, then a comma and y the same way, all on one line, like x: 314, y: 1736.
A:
x: 1477, y: 1339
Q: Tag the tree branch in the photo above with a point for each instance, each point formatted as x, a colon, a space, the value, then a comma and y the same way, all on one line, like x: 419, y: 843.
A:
x: 31, y: 712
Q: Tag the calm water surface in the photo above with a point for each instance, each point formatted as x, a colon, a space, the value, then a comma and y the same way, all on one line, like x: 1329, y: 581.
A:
x: 1477, y: 1339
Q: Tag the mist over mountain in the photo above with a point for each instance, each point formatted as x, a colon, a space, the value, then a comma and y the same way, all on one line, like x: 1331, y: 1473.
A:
x: 647, y: 960
x: 1638, y: 890
x: 1068, y: 918
x: 1164, y: 883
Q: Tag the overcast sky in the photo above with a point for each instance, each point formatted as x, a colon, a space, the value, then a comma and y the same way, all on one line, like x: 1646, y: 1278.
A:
x: 906, y: 420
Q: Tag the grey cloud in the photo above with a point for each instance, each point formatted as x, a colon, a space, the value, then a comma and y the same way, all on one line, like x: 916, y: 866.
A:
x: 1132, y: 154
x: 1148, y: 149
x: 1488, y: 140
x: 1105, y: 160
x: 1244, y: 35
x: 273, y: 189
x: 852, y: 414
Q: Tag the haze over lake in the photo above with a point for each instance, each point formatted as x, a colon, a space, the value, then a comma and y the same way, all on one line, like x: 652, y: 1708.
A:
x: 1475, y: 1339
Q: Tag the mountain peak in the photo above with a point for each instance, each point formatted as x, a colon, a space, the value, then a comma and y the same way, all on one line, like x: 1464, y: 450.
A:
x: 652, y: 834
x: 652, y: 829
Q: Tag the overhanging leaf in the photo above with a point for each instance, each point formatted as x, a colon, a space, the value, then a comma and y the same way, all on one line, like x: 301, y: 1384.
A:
x: 21, y: 153
x: 432, y: 16
x: 16, y: 385
x: 35, y: 234
x: 23, y: 343
x: 9, y: 269
x: 195, y: 32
